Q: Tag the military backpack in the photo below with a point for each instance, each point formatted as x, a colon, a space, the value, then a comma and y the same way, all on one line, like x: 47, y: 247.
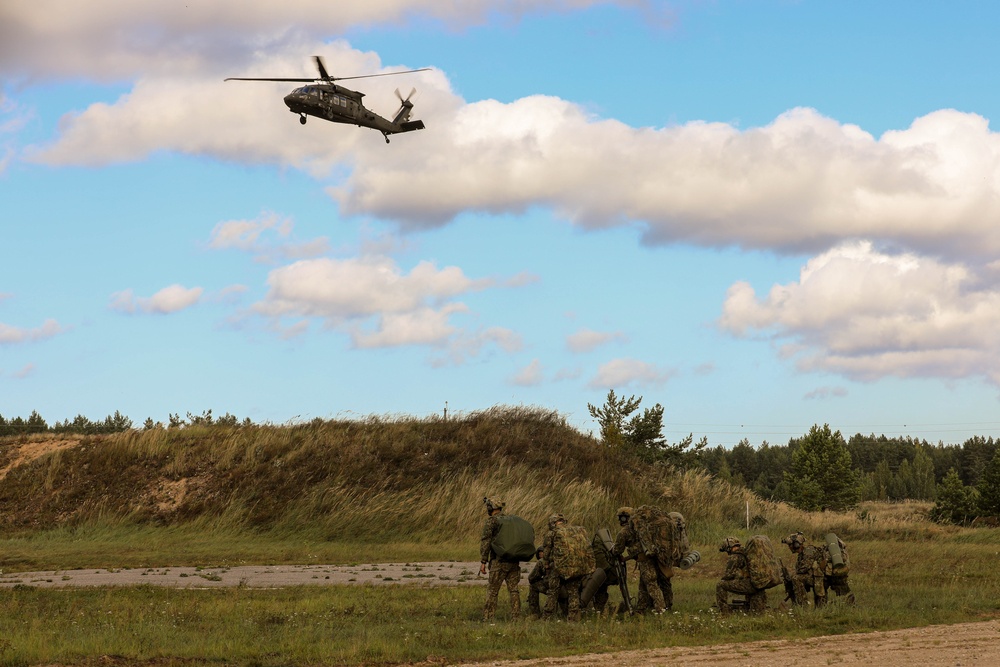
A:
x: 572, y: 554
x: 515, y: 541
x: 764, y: 566
x: 661, y: 534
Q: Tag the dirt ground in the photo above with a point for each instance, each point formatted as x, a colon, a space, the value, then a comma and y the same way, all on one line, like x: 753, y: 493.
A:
x: 960, y: 645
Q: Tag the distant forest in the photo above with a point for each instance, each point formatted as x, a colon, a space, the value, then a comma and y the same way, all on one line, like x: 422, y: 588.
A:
x: 887, y: 468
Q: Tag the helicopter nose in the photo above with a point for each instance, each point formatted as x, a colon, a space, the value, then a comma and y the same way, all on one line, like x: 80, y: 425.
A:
x: 289, y: 100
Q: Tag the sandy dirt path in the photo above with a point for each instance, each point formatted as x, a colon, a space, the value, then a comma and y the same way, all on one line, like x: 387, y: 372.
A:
x: 256, y: 576
x: 960, y: 645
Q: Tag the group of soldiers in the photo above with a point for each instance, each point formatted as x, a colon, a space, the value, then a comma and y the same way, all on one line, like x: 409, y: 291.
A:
x: 814, y: 572
x: 570, y: 592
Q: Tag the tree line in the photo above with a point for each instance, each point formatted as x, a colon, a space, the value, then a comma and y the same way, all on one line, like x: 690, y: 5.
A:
x: 115, y: 423
x: 821, y: 470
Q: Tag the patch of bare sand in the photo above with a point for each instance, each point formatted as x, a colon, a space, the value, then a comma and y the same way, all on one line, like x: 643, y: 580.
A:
x: 27, y: 452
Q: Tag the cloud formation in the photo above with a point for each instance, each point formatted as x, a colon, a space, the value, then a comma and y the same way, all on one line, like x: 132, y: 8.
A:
x: 168, y: 300
x: 586, y: 340
x: 629, y: 373
x: 254, y: 236
x: 805, y: 182
x: 11, y: 335
x: 115, y: 39
x: 867, y: 314
x: 378, y: 304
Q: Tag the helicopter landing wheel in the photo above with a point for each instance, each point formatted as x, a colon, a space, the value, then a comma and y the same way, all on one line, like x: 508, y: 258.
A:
x: 386, y: 138
x: 302, y: 119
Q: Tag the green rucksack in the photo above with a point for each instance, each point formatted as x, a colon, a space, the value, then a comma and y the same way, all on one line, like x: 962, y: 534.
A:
x: 573, y: 555
x: 515, y: 541
x: 764, y: 566
x: 662, y: 534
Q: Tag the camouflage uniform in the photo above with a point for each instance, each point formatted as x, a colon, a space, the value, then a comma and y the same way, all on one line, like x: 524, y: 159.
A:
x: 837, y: 582
x: 736, y: 579
x: 810, y: 569
x: 601, y: 596
x: 501, y: 572
x: 558, y: 585
x: 650, y: 593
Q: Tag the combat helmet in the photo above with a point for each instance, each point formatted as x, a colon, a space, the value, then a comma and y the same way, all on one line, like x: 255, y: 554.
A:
x: 794, y: 540
x: 493, y: 504
x: 624, y: 513
x: 554, y: 519
x: 729, y: 544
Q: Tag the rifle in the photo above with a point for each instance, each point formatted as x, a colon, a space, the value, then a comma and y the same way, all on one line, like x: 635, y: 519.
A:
x: 789, y: 588
x: 621, y: 570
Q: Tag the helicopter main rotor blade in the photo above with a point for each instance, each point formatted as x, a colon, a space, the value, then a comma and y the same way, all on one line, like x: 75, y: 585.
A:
x: 371, y: 76
x: 322, y: 69
x: 240, y: 78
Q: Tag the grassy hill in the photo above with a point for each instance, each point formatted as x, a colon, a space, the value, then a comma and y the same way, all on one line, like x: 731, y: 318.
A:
x: 371, y: 480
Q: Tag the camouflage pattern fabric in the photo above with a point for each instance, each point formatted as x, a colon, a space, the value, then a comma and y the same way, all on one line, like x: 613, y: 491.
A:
x: 501, y: 573
x: 566, y: 592
x: 650, y: 594
x: 810, y: 568
x: 537, y: 585
x: 490, y: 530
x: 736, y: 579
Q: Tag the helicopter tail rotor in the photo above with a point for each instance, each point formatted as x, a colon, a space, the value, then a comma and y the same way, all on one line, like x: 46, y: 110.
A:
x: 405, y: 107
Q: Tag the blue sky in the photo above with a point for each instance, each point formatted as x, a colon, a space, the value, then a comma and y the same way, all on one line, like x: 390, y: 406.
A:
x: 762, y: 215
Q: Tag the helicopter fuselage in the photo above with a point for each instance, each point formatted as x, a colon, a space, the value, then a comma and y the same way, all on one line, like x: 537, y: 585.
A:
x: 341, y: 105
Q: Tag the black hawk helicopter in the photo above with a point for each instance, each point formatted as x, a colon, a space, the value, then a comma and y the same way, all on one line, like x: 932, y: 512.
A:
x: 325, y: 99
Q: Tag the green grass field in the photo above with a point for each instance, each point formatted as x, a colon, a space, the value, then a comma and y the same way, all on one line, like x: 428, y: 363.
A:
x: 899, y: 583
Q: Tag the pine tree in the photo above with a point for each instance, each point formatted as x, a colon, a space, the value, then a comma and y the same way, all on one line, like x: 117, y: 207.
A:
x: 821, y: 476
x: 989, y: 487
x: 956, y: 502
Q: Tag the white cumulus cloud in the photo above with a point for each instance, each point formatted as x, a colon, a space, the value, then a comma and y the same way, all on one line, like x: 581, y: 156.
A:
x: 11, y: 335
x: 586, y: 340
x: 168, y: 300
x: 866, y: 314
x: 378, y: 304
x: 629, y: 372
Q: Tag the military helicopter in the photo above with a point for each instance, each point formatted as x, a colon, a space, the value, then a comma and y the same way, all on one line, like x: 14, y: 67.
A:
x: 325, y: 99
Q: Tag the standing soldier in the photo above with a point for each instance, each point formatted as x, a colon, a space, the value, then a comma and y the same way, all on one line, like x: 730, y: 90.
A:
x: 737, y: 580
x: 810, y: 568
x: 650, y: 593
x: 501, y: 571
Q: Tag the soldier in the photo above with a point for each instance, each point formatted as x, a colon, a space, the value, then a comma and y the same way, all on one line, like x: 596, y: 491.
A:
x: 500, y: 571
x: 737, y: 580
x: 537, y: 585
x: 810, y: 569
x: 837, y: 582
x: 557, y: 582
x: 650, y: 593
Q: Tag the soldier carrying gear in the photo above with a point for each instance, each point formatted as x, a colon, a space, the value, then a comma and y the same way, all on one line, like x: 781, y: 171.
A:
x: 737, y: 580
x: 556, y: 519
x: 652, y: 582
x: 500, y: 571
x: 810, y: 569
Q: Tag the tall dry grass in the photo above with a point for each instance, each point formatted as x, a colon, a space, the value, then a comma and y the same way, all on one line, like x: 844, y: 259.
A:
x: 380, y: 478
